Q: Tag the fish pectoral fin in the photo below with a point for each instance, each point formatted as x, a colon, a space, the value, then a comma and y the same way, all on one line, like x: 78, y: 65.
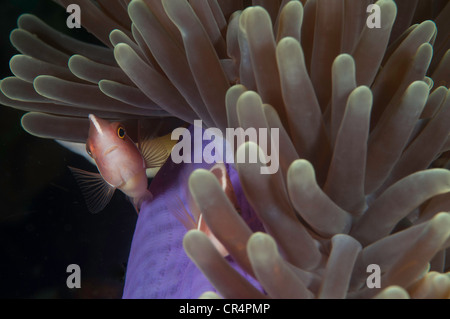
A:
x: 156, y: 151
x: 96, y: 191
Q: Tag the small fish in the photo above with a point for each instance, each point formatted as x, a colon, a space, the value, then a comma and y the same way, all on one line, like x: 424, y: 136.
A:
x: 196, y: 221
x: 120, y: 162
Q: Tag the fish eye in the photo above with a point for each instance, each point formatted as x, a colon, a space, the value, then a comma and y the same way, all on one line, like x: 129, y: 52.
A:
x: 88, y: 150
x: 121, y: 132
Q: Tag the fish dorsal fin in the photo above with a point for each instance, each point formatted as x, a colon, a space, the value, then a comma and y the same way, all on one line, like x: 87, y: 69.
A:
x: 156, y: 151
x: 96, y: 191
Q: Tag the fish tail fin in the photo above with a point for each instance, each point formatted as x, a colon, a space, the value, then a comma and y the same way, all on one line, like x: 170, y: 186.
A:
x: 137, y: 202
x: 177, y: 208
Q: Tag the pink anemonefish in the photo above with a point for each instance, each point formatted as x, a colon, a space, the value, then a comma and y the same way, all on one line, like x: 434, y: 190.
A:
x: 120, y: 162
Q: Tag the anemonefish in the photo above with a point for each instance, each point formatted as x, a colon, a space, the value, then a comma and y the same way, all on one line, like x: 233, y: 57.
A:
x: 121, y: 164
x: 194, y: 219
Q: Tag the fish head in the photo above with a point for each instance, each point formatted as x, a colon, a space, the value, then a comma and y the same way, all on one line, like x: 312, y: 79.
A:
x: 114, y: 152
x: 104, y: 137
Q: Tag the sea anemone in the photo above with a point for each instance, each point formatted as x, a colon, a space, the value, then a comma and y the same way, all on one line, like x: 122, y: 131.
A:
x: 356, y: 142
x: 362, y: 115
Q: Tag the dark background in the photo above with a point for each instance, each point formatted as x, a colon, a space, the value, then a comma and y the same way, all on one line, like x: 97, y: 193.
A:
x: 44, y: 223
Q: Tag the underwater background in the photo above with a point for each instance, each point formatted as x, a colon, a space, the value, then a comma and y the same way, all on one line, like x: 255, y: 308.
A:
x: 46, y: 226
x: 44, y: 222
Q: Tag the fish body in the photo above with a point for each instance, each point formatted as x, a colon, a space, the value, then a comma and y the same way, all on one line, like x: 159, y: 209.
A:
x: 194, y: 219
x: 120, y: 163
x: 117, y: 157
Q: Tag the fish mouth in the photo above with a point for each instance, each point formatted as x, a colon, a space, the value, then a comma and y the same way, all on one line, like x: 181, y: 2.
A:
x: 111, y: 149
